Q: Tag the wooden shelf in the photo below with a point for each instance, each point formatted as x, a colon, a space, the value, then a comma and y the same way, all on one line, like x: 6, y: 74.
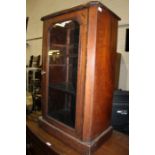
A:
x: 65, y: 45
x: 59, y: 65
x: 67, y: 88
x: 72, y: 55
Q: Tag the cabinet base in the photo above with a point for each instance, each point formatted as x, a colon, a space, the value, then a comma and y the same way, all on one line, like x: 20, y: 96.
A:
x: 84, y: 148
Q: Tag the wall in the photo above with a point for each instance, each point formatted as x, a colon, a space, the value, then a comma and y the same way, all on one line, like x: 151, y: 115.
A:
x: 35, y: 9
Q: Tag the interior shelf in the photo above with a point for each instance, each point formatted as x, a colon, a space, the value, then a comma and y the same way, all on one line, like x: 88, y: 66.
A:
x: 64, y: 45
x: 59, y: 65
x: 71, y: 55
x: 64, y: 87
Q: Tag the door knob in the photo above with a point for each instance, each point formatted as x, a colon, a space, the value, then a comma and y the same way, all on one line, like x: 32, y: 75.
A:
x: 43, y: 72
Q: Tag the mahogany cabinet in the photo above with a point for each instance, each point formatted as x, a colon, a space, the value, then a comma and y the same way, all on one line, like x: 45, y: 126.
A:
x: 78, y: 77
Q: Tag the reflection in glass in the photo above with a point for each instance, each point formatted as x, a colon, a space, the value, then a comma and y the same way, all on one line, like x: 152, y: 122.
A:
x: 63, y: 60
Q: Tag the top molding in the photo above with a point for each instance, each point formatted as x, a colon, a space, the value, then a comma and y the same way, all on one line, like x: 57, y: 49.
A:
x: 79, y: 7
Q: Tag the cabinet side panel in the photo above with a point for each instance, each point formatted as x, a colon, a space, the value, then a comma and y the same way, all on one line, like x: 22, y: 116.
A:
x: 104, y: 72
x: 90, y: 69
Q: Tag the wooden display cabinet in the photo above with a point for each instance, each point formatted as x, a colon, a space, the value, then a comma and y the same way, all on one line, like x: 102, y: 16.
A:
x: 79, y: 50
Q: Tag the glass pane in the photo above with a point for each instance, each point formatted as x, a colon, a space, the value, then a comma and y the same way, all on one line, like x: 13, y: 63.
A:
x: 63, y: 62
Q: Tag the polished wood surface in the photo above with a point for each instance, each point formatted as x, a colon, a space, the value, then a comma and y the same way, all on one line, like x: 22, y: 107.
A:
x: 90, y: 72
x: 95, y: 79
x: 80, y: 7
x: 117, y: 144
x: 104, y: 75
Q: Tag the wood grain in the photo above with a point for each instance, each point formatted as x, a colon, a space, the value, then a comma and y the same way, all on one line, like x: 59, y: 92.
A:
x: 95, y: 77
x: 117, y: 144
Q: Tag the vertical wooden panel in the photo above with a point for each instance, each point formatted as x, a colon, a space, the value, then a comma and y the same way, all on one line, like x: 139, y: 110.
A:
x: 44, y: 84
x: 90, y: 70
x: 104, y: 72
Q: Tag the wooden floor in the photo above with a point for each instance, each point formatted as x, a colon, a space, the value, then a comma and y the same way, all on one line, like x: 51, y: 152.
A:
x: 117, y: 144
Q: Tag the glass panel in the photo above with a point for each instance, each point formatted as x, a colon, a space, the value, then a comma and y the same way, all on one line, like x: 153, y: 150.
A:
x: 63, y: 62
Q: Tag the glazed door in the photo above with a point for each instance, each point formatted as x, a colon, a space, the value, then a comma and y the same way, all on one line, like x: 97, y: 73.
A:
x: 64, y: 51
x: 62, y: 68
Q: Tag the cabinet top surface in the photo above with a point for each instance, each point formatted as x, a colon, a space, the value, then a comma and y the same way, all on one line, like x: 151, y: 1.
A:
x: 79, y: 7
